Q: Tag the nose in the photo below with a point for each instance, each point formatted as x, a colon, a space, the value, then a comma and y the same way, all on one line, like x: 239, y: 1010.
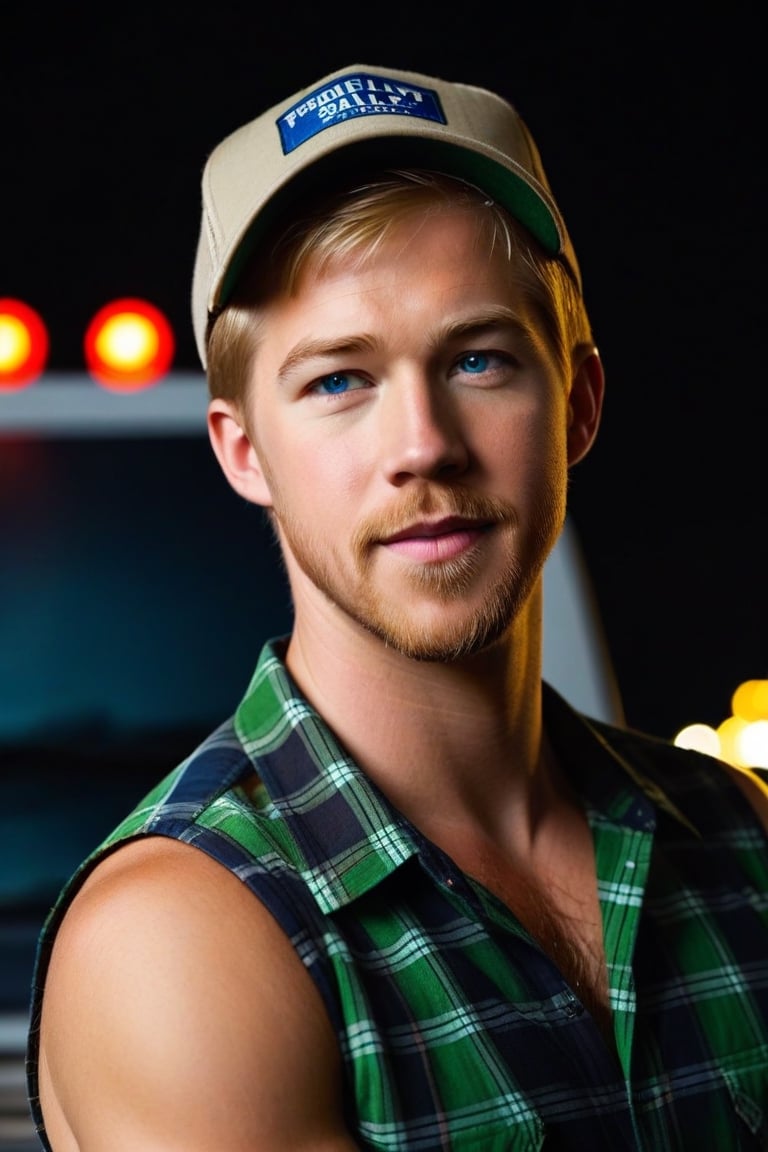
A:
x: 423, y: 433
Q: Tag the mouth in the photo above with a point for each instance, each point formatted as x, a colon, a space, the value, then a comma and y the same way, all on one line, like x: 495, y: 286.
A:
x: 440, y: 540
x: 430, y: 530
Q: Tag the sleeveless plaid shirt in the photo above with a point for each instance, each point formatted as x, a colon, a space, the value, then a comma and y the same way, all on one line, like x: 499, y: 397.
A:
x: 457, y: 1032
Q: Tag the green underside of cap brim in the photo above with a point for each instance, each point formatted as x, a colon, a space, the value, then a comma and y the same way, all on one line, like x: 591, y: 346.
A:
x: 355, y: 161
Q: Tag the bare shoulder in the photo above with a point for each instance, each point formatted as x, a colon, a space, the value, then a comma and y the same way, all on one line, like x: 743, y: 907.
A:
x: 178, y: 1016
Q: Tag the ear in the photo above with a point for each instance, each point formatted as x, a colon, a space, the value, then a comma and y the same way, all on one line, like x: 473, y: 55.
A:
x: 236, y: 453
x: 585, y: 404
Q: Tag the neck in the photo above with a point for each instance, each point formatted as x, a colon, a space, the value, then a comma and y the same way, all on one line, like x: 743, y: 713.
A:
x: 448, y: 743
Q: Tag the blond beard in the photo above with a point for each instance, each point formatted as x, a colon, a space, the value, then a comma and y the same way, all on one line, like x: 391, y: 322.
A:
x: 354, y: 592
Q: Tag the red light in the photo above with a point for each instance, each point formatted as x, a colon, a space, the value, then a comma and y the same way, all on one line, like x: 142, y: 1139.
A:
x: 23, y: 345
x: 128, y: 345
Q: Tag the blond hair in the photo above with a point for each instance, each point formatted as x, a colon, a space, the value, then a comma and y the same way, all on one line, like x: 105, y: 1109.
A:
x: 356, y: 221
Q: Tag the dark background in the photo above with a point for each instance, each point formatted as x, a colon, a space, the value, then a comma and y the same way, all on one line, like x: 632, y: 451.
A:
x: 652, y: 129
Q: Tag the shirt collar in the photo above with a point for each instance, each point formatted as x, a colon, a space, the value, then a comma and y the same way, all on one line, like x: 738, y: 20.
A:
x: 591, y: 752
x: 347, y: 836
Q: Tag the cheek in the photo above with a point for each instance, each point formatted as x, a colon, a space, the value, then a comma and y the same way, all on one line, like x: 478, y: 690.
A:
x: 534, y: 472
x: 531, y: 448
x: 322, y: 481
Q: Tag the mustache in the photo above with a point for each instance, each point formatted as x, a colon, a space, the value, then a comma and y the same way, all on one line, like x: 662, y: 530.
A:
x: 431, y: 503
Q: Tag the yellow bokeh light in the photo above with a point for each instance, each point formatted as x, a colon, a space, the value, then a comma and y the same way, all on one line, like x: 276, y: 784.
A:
x: 127, y: 341
x: 750, y: 700
x: 753, y: 744
x: 15, y: 343
x: 729, y: 733
x: 740, y: 740
x: 700, y: 737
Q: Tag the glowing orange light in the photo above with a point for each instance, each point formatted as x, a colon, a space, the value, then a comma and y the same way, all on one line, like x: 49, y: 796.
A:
x: 128, y: 345
x: 23, y: 345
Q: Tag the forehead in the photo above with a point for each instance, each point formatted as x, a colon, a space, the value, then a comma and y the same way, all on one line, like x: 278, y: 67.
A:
x: 431, y: 279
x: 441, y: 250
x: 361, y: 215
x: 345, y: 234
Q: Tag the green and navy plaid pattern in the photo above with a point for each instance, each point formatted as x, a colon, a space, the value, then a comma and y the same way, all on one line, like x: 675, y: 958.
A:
x: 457, y: 1031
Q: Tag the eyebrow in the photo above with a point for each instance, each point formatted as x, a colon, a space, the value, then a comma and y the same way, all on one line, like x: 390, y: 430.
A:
x: 495, y: 317
x: 318, y: 349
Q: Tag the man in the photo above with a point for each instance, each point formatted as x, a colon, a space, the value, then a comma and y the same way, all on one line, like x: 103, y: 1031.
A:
x: 407, y: 898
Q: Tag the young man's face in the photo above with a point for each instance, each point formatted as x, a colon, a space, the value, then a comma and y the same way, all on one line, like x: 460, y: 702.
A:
x: 410, y: 433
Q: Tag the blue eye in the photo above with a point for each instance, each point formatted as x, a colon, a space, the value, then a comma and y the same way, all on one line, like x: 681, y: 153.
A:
x: 333, y: 384
x: 339, y: 383
x: 474, y: 362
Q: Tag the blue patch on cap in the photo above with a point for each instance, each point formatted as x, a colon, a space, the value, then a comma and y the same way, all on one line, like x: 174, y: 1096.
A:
x: 356, y: 94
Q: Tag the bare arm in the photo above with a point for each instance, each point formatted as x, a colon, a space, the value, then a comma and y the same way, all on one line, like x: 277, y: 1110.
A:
x: 177, y: 1018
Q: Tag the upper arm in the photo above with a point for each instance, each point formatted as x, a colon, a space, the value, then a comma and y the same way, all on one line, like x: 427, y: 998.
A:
x: 178, y: 1016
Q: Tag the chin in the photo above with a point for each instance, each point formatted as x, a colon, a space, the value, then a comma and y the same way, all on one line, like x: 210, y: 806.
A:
x: 440, y: 642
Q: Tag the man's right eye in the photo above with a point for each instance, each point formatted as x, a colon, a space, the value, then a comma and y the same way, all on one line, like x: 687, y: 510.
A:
x: 337, y: 383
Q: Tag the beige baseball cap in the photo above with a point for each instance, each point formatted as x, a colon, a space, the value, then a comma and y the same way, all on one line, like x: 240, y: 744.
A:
x: 358, y: 115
